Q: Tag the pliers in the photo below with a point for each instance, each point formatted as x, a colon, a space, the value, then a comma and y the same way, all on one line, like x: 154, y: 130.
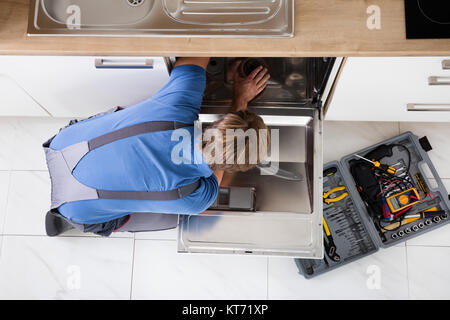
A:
x: 328, y: 200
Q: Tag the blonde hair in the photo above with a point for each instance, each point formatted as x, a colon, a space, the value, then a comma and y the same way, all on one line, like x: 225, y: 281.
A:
x: 223, y: 152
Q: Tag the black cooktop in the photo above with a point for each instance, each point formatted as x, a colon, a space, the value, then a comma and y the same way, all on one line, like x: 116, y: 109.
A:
x: 427, y: 19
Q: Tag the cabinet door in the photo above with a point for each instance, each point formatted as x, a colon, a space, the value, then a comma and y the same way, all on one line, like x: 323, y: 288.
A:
x: 82, y: 86
x: 15, y: 101
x: 393, y: 89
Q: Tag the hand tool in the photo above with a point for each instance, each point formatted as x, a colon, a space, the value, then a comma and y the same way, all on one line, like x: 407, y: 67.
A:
x: 420, y: 225
x: 328, y: 200
x: 436, y: 219
x: 329, y: 172
x: 401, y: 233
x: 394, y: 236
x: 330, y: 247
x: 426, y: 214
x: 377, y: 164
x: 428, y: 222
x: 402, y: 200
x: 421, y: 183
x: 415, y: 228
x: 407, y: 230
x: 399, y: 224
x: 444, y: 216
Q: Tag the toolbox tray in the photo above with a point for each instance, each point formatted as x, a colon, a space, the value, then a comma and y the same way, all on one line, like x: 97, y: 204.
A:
x: 367, y: 232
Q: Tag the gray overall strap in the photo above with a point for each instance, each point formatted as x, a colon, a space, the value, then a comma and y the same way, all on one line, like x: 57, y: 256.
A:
x: 66, y: 188
x: 174, y: 194
x: 145, y: 127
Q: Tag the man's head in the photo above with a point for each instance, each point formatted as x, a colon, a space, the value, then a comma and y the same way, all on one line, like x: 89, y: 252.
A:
x: 236, y: 142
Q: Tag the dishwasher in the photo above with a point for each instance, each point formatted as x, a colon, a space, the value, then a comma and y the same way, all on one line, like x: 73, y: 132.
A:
x: 280, y: 213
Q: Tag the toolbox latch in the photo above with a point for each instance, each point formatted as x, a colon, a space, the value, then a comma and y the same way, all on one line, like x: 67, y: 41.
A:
x: 426, y: 146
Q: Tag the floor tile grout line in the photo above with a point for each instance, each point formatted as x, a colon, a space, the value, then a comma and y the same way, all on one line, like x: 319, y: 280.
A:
x: 137, y: 239
x: 132, y: 268
x: 6, y: 202
x: 407, y: 272
x: 267, y: 279
x: 80, y: 236
x: 26, y: 170
x: 428, y: 245
x: 62, y: 237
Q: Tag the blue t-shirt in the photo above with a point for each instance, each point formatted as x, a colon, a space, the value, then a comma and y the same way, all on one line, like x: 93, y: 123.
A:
x: 142, y: 162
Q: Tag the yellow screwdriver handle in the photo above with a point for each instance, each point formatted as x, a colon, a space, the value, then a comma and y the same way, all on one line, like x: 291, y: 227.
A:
x: 325, y: 227
x: 391, y: 170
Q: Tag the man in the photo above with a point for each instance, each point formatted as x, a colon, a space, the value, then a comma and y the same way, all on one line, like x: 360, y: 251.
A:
x: 115, y: 171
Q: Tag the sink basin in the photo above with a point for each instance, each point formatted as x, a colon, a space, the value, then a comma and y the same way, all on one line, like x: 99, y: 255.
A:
x: 119, y: 13
x: 217, y: 12
x: 211, y: 18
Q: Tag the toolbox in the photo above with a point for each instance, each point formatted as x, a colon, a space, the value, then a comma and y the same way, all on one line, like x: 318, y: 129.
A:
x: 376, y: 198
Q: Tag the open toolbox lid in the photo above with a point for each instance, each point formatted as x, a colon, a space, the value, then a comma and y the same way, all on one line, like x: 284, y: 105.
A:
x: 419, y: 164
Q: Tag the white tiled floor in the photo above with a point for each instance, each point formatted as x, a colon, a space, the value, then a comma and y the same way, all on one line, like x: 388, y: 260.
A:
x: 146, y: 266
x: 4, y: 186
x: 34, y: 267
x: 352, y: 281
x: 161, y: 273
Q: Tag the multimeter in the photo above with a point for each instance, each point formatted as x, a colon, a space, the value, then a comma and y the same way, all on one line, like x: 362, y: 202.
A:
x: 403, y: 200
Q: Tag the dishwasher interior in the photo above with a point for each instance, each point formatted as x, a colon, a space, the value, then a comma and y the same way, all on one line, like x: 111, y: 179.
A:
x: 287, y: 215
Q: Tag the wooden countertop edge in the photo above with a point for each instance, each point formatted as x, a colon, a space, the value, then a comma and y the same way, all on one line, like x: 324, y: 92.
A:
x: 331, y: 28
x: 172, y: 53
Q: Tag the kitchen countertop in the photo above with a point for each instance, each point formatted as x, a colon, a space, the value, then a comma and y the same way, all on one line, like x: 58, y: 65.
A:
x: 322, y: 28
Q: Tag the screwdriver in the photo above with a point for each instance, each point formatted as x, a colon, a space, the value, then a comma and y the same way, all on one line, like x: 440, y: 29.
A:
x: 380, y: 166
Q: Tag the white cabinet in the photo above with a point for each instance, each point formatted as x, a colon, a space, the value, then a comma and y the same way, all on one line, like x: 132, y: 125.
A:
x: 70, y: 86
x: 392, y: 89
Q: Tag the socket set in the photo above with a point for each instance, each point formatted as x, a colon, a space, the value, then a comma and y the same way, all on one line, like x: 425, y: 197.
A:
x: 422, y: 224
x: 405, y: 203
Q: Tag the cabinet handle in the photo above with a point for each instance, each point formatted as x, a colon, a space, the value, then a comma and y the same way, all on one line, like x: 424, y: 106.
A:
x: 428, y: 107
x: 439, y: 81
x: 446, y: 64
x: 124, y: 63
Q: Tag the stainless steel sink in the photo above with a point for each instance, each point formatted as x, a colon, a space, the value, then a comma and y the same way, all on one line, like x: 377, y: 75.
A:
x: 237, y: 18
x: 287, y: 221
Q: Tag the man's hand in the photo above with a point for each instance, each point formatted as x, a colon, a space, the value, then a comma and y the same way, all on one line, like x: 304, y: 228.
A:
x: 246, y: 89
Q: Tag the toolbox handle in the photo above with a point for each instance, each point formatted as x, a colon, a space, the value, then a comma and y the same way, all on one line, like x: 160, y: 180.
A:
x: 426, y: 171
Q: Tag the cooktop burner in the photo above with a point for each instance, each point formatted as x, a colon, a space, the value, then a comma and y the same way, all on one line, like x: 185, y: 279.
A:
x: 427, y: 19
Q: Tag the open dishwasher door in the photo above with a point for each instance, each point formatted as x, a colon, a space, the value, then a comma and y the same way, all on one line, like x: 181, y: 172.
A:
x: 287, y: 216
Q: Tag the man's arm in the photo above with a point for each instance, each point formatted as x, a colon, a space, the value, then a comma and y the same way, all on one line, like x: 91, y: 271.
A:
x: 201, y: 62
x: 219, y: 175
